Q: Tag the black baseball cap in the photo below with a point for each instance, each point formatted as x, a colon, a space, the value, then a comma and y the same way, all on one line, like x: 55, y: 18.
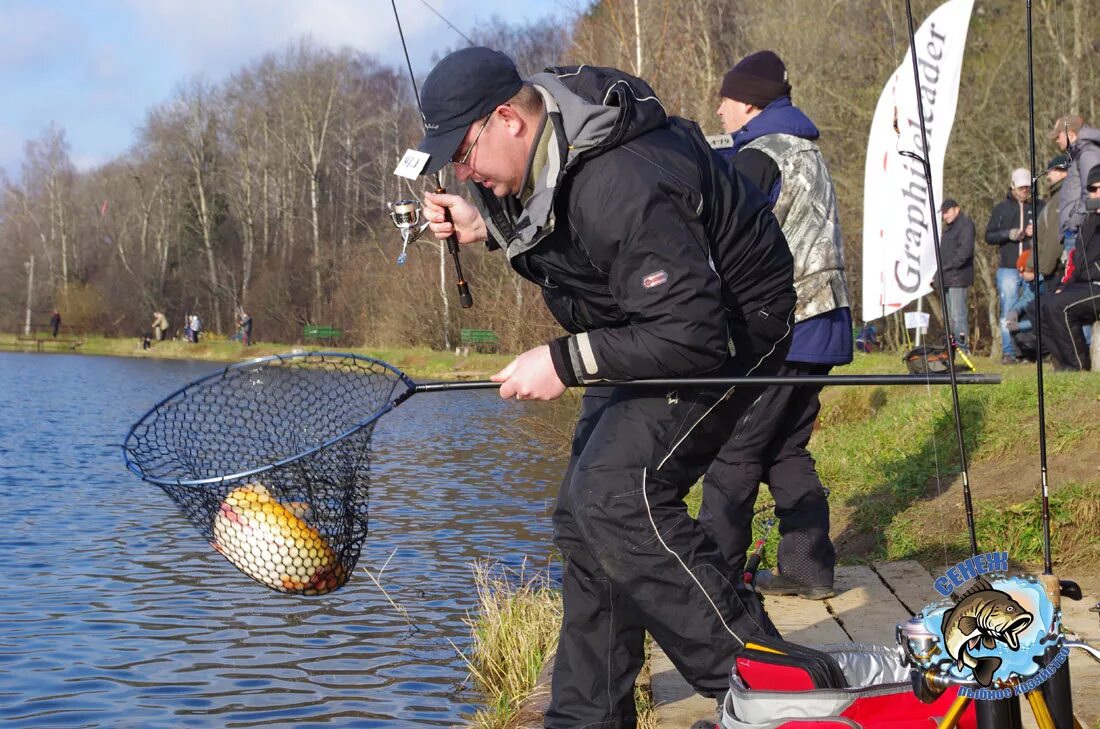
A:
x: 462, y: 88
x: 948, y: 204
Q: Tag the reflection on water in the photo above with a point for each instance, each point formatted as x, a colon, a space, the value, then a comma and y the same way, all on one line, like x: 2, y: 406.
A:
x: 116, y: 614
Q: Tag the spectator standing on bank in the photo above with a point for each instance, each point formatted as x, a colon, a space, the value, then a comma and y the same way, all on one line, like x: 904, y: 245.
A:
x: 1048, y: 230
x: 1081, y: 143
x: 1076, y: 303
x: 774, y: 147
x: 1011, y: 228
x: 196, y: 328
x: 55, y: 323
x: 159, y: 326
x: 244, y: 324
x: 957, y: 257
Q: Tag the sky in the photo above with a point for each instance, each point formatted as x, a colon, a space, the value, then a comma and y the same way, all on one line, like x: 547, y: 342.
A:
x: 95, y: 67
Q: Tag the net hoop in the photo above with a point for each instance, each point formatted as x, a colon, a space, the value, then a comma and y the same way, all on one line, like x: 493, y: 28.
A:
x: 182, y: 393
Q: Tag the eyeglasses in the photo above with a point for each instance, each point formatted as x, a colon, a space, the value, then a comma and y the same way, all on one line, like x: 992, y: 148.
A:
x: 470, y: 149
x: 1094, y: 188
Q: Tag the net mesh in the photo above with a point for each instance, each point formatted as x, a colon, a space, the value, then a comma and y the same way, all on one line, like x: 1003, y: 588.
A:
x: 270, y: 460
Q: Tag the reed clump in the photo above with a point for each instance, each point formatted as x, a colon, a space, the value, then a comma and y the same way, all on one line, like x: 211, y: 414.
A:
x: 515, y: 634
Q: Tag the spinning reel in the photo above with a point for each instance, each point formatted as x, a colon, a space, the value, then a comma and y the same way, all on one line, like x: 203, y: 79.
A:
x: 405, y: 215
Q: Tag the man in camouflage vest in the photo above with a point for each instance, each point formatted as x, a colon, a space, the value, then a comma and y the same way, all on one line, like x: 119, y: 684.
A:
x: 773, y: 146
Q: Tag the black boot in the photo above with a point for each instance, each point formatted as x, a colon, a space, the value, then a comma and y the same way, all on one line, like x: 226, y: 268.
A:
x: 770, y: 583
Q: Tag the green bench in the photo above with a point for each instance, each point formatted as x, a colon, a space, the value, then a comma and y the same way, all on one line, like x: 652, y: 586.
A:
x: 321, y: 331
x: 480, y: 339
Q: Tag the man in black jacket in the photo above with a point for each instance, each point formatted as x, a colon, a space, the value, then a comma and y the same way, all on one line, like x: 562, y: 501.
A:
x: 1076, y: 303
x: 957, y: 259
x: 1011, y: 228
x: 659, y: 263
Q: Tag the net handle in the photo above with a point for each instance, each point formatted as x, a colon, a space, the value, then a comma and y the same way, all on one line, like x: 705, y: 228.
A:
x: 413, y: 388
x: 750, y: 380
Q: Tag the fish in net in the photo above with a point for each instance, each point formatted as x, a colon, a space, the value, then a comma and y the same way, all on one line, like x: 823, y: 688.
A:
x: 270, y: 460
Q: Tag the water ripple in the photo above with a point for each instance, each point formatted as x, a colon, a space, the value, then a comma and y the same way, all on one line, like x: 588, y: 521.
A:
x: 116, y: 614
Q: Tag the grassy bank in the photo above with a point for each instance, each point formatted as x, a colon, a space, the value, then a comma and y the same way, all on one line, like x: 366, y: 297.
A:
x: 417, y: 362
x: 890, y: 457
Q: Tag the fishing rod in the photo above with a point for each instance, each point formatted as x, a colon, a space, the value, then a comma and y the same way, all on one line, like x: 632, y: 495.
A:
x: 1038, y: 323
x: 406, y: 213
x: 952, y: 376
x: 1058, y: 689
x: 748, y: 380
x: 1005, y: 712
x: 752, y: 565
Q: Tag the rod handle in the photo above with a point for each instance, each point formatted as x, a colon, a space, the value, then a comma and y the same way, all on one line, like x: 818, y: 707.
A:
x: 464, y: 297
x: 751, y: 567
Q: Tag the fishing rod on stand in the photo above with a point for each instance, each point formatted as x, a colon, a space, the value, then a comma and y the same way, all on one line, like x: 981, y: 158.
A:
x: 1002, y: 714
x: 1057, y: 690
x: 927, y: 168
x: 1051, y: 702
x: 406, y: 213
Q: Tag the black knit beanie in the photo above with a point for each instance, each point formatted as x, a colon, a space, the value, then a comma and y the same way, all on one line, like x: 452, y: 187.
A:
x: 1093, y: 176
x: 758, y: 79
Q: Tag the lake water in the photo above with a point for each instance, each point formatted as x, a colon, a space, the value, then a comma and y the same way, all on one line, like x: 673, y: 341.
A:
x: 116, y: 613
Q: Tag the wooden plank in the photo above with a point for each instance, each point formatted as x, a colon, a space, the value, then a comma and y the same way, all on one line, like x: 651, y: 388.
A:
x: 1084, y: 672
x: 677, y: 704
x: 865, y: 607
x: 806, y: 622
x: 910, y: 582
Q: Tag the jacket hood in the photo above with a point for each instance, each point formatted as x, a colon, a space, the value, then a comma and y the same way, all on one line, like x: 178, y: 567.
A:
x: 779, y: 117
x: 601, y: 108
x: 589, y: 110
x: 1087, y: 135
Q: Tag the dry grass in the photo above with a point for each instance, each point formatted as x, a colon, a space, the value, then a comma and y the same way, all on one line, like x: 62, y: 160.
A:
x: 515, y: 633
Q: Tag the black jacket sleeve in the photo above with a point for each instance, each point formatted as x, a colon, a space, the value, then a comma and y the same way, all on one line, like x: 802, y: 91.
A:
x: 958, y: 244
x: 1086, y: 253
x: 759, y: 169
x: 999, y: 230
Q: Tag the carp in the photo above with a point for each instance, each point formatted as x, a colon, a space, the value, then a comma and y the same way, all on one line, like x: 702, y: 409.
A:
x: 273, y: 544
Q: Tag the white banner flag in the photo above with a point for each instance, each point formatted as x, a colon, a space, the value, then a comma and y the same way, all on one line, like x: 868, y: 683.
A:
x: 898, y: 257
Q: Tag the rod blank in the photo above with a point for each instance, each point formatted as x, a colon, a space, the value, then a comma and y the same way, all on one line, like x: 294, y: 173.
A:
x: 754, y: 380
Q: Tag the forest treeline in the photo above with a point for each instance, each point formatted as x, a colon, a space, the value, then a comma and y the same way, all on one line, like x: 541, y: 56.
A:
x: 268, y: 190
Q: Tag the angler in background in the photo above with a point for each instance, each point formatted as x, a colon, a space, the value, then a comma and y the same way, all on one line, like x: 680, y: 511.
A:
x: 659, y: 263
x: 957, y: 259
x: 1076, y: 303
x: 1048, y: 231
x: 1011, y: 229
x: 195, y: 327
x: 774, y: 148
x: 160, y: 325
x: 1081, y: 144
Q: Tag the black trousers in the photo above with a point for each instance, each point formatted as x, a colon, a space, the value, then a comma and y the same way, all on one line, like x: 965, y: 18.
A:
x: 769, y: 445
x: 634, y: 561
x: 1064, y: 314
